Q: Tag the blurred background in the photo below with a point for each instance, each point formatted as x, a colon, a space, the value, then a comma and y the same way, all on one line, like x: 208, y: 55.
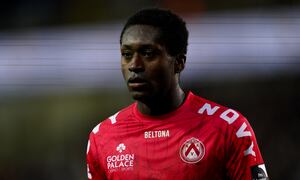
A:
x: 60, y: 76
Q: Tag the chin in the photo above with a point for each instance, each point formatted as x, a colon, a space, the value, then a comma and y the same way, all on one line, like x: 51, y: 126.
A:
x: 139, y: 96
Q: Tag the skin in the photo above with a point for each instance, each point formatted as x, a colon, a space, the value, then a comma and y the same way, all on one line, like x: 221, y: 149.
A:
x: 151, y: 74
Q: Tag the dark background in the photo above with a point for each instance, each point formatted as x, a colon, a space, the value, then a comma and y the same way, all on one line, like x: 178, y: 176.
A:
x: 45, y: 118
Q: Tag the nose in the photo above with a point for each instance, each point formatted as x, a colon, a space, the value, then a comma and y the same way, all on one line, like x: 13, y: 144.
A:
x: 137, y: 64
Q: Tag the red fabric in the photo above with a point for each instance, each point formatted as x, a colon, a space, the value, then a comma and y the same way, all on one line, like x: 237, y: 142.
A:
x: 189, y: 143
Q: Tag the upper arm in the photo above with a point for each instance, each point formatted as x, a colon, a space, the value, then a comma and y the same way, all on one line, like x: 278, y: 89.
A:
x: 94, y: 169
x: 243, y: 154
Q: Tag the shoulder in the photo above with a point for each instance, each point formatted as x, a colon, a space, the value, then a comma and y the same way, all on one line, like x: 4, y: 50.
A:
x: 229, y: 118
x: 105, y: 125
x: 239, y: 133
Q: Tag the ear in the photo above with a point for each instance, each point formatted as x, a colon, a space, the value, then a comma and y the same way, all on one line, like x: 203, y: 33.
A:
x: 179, y: 63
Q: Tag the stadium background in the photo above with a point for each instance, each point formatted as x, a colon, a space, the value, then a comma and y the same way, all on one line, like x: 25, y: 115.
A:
x: 59, y: 75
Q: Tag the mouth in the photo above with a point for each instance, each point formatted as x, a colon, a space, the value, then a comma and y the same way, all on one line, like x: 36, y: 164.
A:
x: 137, y: 83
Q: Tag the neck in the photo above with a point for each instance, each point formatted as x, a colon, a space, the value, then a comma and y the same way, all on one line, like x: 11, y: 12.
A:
x: 164, y: 104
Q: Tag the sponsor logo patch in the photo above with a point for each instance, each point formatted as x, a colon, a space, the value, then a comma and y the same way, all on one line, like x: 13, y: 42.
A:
x: 121, y: 161
x: 192, y: 151
x: 156, y: 134
x: 259, y: 172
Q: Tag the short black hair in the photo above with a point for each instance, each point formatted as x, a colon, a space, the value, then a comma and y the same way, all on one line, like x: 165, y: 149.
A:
x: 173, y: 31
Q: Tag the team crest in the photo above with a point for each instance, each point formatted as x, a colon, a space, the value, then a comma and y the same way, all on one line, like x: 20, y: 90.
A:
x: 192, y: 151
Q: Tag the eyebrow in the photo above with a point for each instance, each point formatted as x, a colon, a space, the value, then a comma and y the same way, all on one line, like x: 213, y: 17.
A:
x: 126, y: 47
x: 143, y: 46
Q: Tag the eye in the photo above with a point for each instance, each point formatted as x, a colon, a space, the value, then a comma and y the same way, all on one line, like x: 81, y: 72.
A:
x: 127, y: 54
x: 148, y: 53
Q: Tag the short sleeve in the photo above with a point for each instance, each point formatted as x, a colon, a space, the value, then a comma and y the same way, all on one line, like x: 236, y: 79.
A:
x: 244, y: 157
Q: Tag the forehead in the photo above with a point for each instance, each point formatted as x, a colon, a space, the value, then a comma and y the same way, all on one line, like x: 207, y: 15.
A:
x: 140, y: 34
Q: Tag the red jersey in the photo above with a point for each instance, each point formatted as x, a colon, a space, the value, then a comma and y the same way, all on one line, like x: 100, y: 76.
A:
x: 199, y: 140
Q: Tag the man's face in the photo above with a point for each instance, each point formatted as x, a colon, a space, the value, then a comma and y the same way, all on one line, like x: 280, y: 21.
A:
x: 147, y: 68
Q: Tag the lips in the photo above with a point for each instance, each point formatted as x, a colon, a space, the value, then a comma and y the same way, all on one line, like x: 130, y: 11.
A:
x: 136, y: 82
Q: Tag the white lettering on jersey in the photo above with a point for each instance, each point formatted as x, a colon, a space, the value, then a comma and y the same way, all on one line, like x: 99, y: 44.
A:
x: 96, y: 129
x: 250, y: 150
x: 231, y: 119
x: 229, y: 116
x: 122, y: 161
x: 241, y: 132
x: 209, y: 110
x: 125, y: 157
x: 113, y: 118
x: 156, y: 134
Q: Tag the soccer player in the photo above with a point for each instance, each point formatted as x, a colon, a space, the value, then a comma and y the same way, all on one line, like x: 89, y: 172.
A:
x: 168, y: 133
